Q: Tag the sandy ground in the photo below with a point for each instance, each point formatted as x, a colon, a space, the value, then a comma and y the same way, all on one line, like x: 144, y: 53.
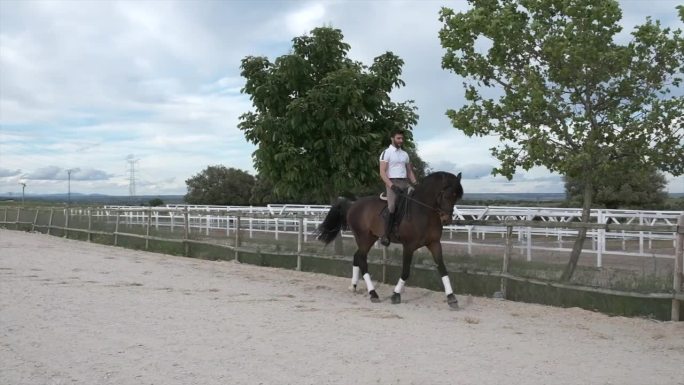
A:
x: 79, y: 313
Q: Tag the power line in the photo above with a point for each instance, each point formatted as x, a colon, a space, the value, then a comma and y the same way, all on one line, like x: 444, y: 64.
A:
x: 69, y: 171
x: 23, y: 187
x: 130, y: 159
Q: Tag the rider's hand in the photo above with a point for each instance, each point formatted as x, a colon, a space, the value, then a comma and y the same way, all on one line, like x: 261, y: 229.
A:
x: 410, y: 190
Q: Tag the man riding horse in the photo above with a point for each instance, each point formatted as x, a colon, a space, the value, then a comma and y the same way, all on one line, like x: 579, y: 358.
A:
x: 429, y: 207
x: 396, y: 171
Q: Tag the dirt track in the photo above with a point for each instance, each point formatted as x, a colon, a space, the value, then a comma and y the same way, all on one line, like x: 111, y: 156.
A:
x: 79, y: 313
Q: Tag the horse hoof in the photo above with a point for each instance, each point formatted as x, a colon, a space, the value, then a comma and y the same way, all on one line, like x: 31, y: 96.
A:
x: 374, y: 296
x: 352, y: 288
x: 396, y: 298
x: 452, y: 301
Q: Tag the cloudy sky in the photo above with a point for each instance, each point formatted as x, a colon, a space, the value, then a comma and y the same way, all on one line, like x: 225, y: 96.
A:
x: 85, y: 84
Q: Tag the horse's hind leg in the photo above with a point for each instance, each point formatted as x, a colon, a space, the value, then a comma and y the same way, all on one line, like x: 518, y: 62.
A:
x: 361, y: 257
x: 355, y: 271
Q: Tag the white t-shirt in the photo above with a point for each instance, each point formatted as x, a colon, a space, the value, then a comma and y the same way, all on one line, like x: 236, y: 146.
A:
x: 397, y: 160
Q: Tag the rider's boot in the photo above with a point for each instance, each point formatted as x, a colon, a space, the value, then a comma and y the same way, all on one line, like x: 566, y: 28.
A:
x: 389, y: 222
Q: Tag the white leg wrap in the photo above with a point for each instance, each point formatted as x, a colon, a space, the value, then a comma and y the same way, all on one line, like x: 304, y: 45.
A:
x: 400, y: 286
x: 369, y: 283
x: 355, y: 275
x: 447, y: 285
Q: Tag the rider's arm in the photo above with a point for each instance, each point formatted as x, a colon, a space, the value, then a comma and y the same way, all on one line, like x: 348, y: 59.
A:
x: 383, y: 173
x: 409, y: 172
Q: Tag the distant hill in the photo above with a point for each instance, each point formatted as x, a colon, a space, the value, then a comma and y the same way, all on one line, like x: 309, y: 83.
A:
x: 535, y: 197
x: 468, y: 198
x: 96, y: 198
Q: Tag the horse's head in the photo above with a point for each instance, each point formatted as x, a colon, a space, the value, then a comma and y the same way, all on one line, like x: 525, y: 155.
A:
x: 451, y: 192
x: 441, y: 190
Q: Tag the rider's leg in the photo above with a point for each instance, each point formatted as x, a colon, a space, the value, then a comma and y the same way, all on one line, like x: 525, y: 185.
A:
x: 389, y: 221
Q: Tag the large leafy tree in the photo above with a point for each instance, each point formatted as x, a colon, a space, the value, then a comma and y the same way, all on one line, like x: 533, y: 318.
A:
x: 219, y: 185
x: 623, y: 187
x: 263, y: 193
x: 568, y: 95
x: 320, y: 118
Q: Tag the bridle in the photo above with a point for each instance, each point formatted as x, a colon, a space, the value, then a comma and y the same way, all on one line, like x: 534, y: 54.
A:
x: 437, y: 209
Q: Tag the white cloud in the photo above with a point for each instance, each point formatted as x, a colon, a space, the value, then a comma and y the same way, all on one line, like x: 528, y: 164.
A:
x: 5, y: 173
x: 83, y: 84
x: 58, y: 173
x: 468, y: 171
x: 304, y: 20
x: 46, y: 173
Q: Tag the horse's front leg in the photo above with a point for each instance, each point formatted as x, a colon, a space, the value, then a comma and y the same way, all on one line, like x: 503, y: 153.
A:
x: 405, y: 272
x: 436, y: 250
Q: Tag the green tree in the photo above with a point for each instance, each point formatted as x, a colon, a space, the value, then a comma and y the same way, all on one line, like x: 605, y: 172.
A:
x: 569, y: 97
x: 623, y: 187
x: 319, y: 118
x: 218, y: 185
x: 154, y: 202
x: 262, y: 192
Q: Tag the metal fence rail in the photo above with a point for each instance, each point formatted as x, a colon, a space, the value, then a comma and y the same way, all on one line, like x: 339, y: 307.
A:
x: 137, y: 222
x: 630, y: 243
x: 550, y: 229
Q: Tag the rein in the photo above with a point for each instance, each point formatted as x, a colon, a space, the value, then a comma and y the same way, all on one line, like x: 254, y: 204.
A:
x: 436, y: 209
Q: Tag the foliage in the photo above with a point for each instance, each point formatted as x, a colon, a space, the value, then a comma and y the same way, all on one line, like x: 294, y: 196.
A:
x: 218, y: 185
x: 623, y: 187
x: 569, y: 96
x: 573, y: 100
x: 263, y: 192
x: 319, y: 118
x: 674, y: 204
x: 155, y: 202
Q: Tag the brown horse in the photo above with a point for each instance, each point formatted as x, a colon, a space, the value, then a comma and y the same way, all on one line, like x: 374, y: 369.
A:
x: 430, y: 207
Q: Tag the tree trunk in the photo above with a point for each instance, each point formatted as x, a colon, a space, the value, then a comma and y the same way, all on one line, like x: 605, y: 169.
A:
x: 581, y: 234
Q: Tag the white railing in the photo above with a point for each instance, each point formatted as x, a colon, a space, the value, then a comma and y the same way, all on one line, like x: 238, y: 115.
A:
x: 282, y: 219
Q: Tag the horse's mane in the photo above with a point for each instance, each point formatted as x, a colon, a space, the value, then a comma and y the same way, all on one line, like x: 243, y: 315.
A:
x: 437, y: 179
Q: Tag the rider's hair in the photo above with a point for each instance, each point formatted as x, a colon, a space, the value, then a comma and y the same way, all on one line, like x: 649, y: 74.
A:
x: 396, y: 131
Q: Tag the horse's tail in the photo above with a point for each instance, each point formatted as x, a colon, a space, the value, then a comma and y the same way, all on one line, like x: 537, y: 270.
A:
x: 334, y: 222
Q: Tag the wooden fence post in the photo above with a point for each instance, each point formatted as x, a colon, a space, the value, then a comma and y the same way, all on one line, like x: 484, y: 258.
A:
x: 52, y: 213
x: 66, y: 223
x: 5, y: 217
x: 35, y: 219
x: 90, y: 224
x: 384, y: 264
x: 300, y: 240
x: 186, y: 232
x: 237, y: 237
x: 506, y: 260
x: 16, y: 222
x: 147, y: 230
x: 227, y: 224
x: 116, y: 228
x: 679, y: 262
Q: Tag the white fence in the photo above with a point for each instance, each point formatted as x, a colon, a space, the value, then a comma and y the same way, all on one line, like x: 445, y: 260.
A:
x: 283, y: 219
